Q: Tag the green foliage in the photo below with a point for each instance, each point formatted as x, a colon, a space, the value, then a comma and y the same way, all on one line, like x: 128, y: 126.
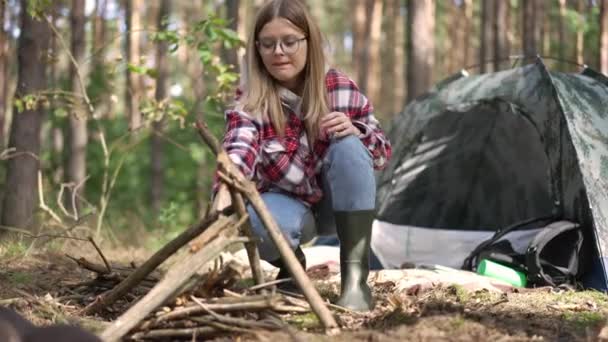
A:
x: 31, y: 102
x: 36, y: 8
x: 11, y: 249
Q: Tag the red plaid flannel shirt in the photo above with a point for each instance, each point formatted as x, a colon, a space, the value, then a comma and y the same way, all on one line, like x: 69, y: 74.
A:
x: 287, y: 163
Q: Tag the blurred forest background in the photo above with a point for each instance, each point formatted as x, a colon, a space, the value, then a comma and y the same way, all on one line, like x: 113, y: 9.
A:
x: 97, y: 97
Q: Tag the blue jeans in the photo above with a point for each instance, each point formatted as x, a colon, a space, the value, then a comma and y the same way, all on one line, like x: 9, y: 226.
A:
x: 347, y: 180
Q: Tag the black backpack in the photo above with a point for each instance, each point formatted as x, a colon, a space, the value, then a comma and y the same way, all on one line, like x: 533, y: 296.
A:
x: 553, y: 256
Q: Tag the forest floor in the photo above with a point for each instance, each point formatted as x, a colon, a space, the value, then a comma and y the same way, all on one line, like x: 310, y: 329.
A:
x: 444, y: 313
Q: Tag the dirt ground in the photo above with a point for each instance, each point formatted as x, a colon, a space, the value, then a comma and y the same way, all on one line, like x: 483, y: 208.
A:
x: 446, y: 313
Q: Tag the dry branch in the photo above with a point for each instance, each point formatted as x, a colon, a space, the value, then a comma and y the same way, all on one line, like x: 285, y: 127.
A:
x: 248, y: 304
x: 159, y: 257
x: 194, y: 333
x: 175, y: 279
x: 298, y: 273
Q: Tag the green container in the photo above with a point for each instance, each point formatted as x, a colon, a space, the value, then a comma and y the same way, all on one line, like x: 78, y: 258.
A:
x: 498, y: 271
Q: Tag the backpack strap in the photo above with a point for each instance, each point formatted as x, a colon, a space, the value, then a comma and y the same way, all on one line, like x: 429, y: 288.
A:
x: 556, y: 274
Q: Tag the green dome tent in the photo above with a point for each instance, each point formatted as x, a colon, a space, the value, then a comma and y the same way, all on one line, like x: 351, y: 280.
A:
x: 479, y: 153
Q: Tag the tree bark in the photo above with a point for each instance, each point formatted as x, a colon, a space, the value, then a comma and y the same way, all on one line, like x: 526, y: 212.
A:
x: 375, y: 69
x: 77, y: 134
x: 133, y: 12
x: 392, y: 63
x: 531, y: 31
x: 20, y: 197
x: 359, y: 39
x: 485, y: 46
x: 420, y: 46
x: 99, y: 31
x: 501, y: 33
x: 467, y: 8
x: 232, y: 14
x: 580, y: 33
x: 603, y: 53
x: 3, y: 73
x: 157, y: 150
x: 562, y: 30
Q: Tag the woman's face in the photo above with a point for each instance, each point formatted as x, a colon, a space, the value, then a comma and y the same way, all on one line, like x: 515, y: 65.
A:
x: 283, y: 48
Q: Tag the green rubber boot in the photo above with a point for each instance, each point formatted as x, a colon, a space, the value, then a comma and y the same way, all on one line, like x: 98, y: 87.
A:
x: 354, y: 232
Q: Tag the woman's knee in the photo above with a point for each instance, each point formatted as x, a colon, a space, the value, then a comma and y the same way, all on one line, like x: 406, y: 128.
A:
x: 349, y: 175
x: 348, y: 153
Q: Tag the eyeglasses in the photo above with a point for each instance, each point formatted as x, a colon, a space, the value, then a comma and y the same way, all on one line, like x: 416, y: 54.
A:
x: 289, y: 46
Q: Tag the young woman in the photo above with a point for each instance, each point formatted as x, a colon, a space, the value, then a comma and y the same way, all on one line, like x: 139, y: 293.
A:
x: 307, y: 137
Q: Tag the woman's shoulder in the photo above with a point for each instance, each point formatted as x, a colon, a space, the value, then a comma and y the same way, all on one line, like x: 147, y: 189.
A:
x: 335, y: 78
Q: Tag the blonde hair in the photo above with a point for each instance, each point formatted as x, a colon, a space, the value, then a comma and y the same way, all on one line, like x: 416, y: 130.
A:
x: 261, y: 93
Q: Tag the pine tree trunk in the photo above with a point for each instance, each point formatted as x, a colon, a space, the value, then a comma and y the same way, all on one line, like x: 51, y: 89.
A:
x: 375, y: 69
x: 133, y: 92
x: 467, y: 8
x: 232, y: 14
x: 77, y: 134
x: 603, y: 50
x: 399, y: 53
x: 98, y: 31
x: 359, y: 38
x: 485, y: 46
x: 531, y: 30
x: 501, y: 34
x: 420, y: 46
x: 3, y: 73
x: 20, y: 198
x: 562, y: 31
x: 157, y: 150
x: 392, y: 62
x: 580, y: 34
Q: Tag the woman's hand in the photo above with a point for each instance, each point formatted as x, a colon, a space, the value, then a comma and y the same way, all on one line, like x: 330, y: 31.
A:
x: 337, y: 125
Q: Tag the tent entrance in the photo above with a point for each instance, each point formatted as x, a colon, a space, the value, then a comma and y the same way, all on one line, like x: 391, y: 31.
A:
x: 480, y: 168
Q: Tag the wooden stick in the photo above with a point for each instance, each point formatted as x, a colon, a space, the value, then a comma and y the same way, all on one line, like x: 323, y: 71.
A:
x: 245, y: 305
x: 253, y: 253
x: 159, y: 257
x: 174, y: 281
x: 251, y: 247
x: 105, y: 261
x: 239, y: 322
x: 175, y: 333
x: 293, y: 265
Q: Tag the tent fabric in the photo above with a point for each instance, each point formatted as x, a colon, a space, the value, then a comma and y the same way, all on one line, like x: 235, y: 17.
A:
x: 485, y: 151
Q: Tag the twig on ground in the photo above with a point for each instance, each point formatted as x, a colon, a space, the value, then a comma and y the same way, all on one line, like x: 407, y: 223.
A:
x: 243, y: 323
x: 105, y: 261
x: 268, y: 284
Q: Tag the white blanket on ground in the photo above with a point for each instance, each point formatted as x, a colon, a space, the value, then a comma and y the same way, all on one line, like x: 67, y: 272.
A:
x: 395, y: 245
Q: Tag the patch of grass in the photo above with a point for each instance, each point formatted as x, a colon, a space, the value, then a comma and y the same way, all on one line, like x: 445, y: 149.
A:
x: 19, y: 278
x: 244, y: 283
x: 462, y: 295
x: 585, y: 319
x: 12, y: 249
x: 598, y: 297
x: 393, y: 319
x: 305, y: 321
x: 457, y: 322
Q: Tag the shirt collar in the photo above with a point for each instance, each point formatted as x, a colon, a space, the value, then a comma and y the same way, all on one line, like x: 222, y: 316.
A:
x: 290, y: 99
